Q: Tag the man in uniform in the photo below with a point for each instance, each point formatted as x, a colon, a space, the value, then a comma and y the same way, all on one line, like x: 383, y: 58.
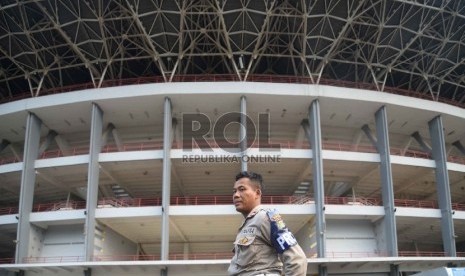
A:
x: 263, y: 245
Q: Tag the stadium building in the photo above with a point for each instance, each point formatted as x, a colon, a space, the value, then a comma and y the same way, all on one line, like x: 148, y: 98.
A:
x: 123, y: 124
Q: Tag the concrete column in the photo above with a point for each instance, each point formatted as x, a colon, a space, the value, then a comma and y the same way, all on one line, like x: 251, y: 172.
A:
x: 382, y: 145
x: 243, y: 132
x: 393, y: 270
x: 314, y: 135
x: 48, y: 140
x: 28, y: 178
x: 93, y: 180
x: 436, y: 130
x: 4, y: 144
x: 166, y: 182
x: 456, y: 144
x: 322, y: 270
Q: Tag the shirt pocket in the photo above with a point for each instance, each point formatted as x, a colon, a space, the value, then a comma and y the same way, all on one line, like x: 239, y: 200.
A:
x: 246, y: 251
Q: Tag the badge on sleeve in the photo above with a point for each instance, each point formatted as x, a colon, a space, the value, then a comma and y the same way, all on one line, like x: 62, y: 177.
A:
x: 281, y: 237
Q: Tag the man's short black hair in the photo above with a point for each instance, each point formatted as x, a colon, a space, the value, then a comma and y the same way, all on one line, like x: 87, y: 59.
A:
x: 255, y: 178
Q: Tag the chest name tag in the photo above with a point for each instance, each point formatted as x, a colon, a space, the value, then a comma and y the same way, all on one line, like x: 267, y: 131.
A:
x: 248, y: 231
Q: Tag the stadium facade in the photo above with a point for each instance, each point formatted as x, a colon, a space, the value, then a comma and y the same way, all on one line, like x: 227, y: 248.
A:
x: 123, y: 124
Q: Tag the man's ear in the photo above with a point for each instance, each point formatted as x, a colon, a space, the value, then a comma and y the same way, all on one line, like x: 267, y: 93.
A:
x: 259, y: 192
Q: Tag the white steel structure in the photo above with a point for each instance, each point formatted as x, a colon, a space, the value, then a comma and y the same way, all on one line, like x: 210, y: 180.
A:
x: 364, y: 154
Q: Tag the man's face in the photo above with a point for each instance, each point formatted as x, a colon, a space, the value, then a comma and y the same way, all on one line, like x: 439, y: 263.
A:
x: 246, y: 196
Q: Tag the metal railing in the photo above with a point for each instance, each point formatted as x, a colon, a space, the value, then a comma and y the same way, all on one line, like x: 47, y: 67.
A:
x: 59, y: 206
x: 226, y: 200
x: 283, y: 144
x: 422, y: 254
x: 7, y: 260
x: 428, y: 204
x: 353, y: 201
x: 54, y: 259
x: 233, y: 77
x: 119, y: 258
x: 336, y: 146
x: 338, y: 255
x: 9, y: 210
x: 217, y: 256
x: 129, y: 202
x: 9, y: 160
x: 458, y: 206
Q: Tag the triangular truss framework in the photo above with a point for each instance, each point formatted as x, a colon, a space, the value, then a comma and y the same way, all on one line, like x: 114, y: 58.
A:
x: 405, y: 44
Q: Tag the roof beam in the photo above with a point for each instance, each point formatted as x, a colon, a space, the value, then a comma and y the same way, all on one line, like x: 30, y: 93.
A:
x: 260, y: 39
x: 15, y: 62
x: 337, y: 42
x: 34, y: 90
x: 425, y: 23
x: 89, y: 64
x: 438, y: 9
x: 225, y: 34
x: 148, y: 41
x: 101, y: 24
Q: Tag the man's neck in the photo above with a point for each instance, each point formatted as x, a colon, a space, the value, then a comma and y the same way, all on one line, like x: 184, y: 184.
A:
x: 251, y: 211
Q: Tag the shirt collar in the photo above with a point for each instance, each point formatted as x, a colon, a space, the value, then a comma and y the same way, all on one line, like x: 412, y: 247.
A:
x: 251, y: 215
x: 254, y: 211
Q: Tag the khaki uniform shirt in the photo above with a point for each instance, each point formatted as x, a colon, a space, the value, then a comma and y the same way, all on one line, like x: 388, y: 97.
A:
x: 254, y: 252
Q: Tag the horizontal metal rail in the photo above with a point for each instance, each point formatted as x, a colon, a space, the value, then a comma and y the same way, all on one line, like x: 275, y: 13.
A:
x: 216, y: 256
x: 7, y: 261
x: 225, y: 200
x: 233, y: 77
x: 422, y: 254
x: 59, y: 206
x: 354, y: 254
x: 336, y: 146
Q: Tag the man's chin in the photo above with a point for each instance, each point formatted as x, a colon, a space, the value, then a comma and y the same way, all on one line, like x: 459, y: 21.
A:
x: 242, y: 211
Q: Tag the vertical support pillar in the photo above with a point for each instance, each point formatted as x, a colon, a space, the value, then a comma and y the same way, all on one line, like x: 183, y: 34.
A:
x: 165, y: 224
x: 442, y: 182
x: 48, y: 140
x: 318, y: 182
x: 243, y: 133
x: 382, y: 145
x: 456, y: 144
x: 28, y: 178
x: 4, y: 144
x: 393, y: 270
x: 322, y: 270
x: 93, y: 180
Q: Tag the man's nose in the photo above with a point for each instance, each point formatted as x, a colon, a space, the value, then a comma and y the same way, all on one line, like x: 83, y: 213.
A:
x: 236, y: 194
